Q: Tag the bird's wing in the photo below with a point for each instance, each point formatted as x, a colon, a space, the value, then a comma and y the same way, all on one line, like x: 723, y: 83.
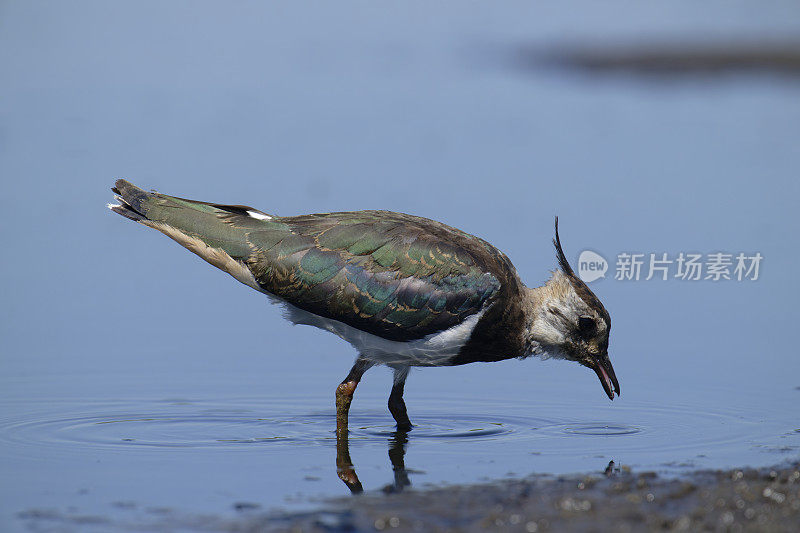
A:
x: 396, y: 276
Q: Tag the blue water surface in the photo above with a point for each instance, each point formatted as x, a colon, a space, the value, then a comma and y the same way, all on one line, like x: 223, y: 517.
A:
x: 136, y: 380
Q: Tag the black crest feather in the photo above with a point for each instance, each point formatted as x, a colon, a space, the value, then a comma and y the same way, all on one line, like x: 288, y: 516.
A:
x: 580, y: 287
x: 562, y: 259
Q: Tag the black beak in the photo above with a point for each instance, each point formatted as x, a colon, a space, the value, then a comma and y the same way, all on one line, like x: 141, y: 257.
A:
x: 608, y: 379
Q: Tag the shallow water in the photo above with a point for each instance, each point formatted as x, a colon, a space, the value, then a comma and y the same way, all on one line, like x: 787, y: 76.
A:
x: 136, y: 380
x: 126, y: 457
x: 276, y: 423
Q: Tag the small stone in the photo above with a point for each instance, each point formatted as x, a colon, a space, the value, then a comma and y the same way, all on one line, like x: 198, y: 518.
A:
x: 726, y: 518
x: 777, y: 497
x: 683, y: 523
x: 531, y: 527
x: 633, y: 498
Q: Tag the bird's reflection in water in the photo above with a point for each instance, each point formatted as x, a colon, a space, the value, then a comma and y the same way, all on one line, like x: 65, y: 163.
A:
x: 397, y: 451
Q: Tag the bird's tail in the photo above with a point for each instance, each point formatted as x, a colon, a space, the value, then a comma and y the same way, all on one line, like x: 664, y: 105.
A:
x: 215, y: 232
x: 131, y: 200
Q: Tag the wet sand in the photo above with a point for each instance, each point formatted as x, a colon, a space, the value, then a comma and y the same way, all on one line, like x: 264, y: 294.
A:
x: 615, y: 500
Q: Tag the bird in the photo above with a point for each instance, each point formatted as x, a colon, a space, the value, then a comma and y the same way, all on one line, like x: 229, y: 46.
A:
x: 403, y: 290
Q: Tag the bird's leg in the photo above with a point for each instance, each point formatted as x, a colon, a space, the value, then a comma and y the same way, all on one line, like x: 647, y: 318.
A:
x: 344, y: 394
x: 396, y: 404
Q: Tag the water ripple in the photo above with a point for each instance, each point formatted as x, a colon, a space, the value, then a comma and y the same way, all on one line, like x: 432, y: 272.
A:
x: 594, y: 429
x: 259, y: 424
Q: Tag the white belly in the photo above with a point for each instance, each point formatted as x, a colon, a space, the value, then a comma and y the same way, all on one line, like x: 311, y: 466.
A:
x: 433, y: 350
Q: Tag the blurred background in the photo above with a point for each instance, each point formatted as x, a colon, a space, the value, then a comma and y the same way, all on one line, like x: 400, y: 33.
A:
x: 670, y: 127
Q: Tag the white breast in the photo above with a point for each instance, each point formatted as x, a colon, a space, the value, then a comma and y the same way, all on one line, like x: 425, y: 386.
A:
x: 433, y: 350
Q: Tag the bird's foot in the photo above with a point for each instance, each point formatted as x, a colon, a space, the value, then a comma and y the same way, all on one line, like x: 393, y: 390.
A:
x: 398, y: 409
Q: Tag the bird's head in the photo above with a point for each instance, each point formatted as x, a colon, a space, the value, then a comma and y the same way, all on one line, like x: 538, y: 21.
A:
x: 567, y: 321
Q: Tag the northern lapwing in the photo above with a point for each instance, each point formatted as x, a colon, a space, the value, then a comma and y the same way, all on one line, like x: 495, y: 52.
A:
x: 403, y: 290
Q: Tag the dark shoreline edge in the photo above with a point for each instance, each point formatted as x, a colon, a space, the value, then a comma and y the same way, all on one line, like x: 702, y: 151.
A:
x: 746, y: 499
x: 765, y: 499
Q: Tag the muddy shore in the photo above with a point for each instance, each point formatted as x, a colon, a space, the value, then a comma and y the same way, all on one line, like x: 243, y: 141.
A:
x: 615, y: 500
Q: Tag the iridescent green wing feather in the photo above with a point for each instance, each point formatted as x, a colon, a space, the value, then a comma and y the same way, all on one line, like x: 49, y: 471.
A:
x: 397, y: 276
x: 393, y: 275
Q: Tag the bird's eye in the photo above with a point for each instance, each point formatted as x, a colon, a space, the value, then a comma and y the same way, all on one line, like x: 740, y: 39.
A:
x: 586, y: 325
